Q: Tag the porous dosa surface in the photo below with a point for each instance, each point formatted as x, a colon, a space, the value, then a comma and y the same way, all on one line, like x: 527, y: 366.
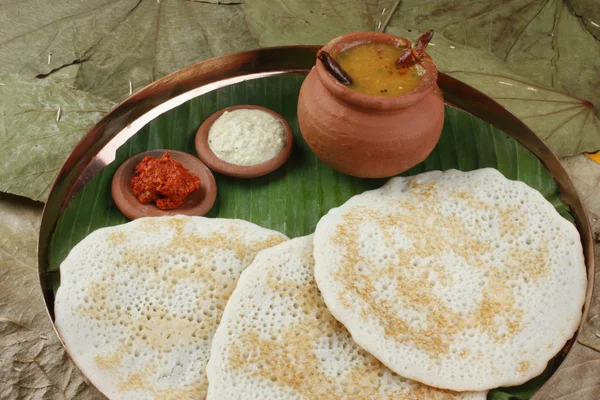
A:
x: 459, y: 280
x: 277, y: 340
x: 139, y: 303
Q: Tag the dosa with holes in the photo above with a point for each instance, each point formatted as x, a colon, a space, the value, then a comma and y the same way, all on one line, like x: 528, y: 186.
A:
x: 139, y: 303
x: 277, y: 340
x: 459, y: 280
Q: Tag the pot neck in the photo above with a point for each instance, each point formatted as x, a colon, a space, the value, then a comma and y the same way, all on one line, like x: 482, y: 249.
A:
x: 377, y: 103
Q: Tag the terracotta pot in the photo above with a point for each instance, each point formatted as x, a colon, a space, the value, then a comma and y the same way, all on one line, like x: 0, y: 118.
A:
x: 369, y: 136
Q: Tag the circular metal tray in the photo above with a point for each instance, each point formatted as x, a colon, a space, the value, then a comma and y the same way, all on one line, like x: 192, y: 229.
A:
x: 97, y: 149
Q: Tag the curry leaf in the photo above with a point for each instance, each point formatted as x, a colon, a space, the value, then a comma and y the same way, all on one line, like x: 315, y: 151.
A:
x: 313, y: 21
x: 33, y: 364
x: 32, y: 30
x: 543, y: 40
x: 158, y: 38
x: 567, y: 123
x: 33, y: 143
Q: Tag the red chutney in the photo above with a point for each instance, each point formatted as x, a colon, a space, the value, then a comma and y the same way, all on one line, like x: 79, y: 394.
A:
x: 163, y: 181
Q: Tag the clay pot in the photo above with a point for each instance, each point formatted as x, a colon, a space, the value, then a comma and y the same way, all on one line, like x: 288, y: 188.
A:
x: 369, y: 136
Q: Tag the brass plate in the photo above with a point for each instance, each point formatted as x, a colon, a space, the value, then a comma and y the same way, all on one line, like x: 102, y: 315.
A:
x: 97, y: 149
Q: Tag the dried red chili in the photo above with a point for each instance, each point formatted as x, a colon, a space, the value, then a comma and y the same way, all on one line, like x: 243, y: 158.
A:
x: 407, y: 59
x: 414, y: 54
x: 334, y: 68
x: 422, y: 42
x: 163, y: 181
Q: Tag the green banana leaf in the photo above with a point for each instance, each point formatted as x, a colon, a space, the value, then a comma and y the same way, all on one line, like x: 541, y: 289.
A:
x: 293, y: 198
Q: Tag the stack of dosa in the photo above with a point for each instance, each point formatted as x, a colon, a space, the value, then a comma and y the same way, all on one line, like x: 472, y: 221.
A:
x: 457, y: 282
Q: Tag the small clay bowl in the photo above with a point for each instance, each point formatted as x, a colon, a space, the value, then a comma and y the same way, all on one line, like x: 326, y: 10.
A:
x: 197, y: 203
x: 241, y: 171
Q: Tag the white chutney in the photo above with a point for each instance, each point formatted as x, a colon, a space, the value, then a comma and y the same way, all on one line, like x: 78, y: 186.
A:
x: 246, y: 137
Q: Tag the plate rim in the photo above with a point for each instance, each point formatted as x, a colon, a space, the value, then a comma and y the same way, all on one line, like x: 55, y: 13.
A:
x: 95, y: 149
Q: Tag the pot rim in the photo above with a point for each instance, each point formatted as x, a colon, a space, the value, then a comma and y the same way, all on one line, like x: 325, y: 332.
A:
x: 382, y: 103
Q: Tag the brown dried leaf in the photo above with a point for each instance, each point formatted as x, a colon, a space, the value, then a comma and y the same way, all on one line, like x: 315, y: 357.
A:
x: 585, y: 174
x: 33, y: 364
x: 576, y: 379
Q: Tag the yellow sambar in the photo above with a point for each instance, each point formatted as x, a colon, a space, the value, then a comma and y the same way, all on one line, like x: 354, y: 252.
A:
x: 372, y: 67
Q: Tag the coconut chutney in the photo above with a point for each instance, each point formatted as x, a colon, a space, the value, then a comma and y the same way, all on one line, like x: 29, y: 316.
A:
x: 246, y: 137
